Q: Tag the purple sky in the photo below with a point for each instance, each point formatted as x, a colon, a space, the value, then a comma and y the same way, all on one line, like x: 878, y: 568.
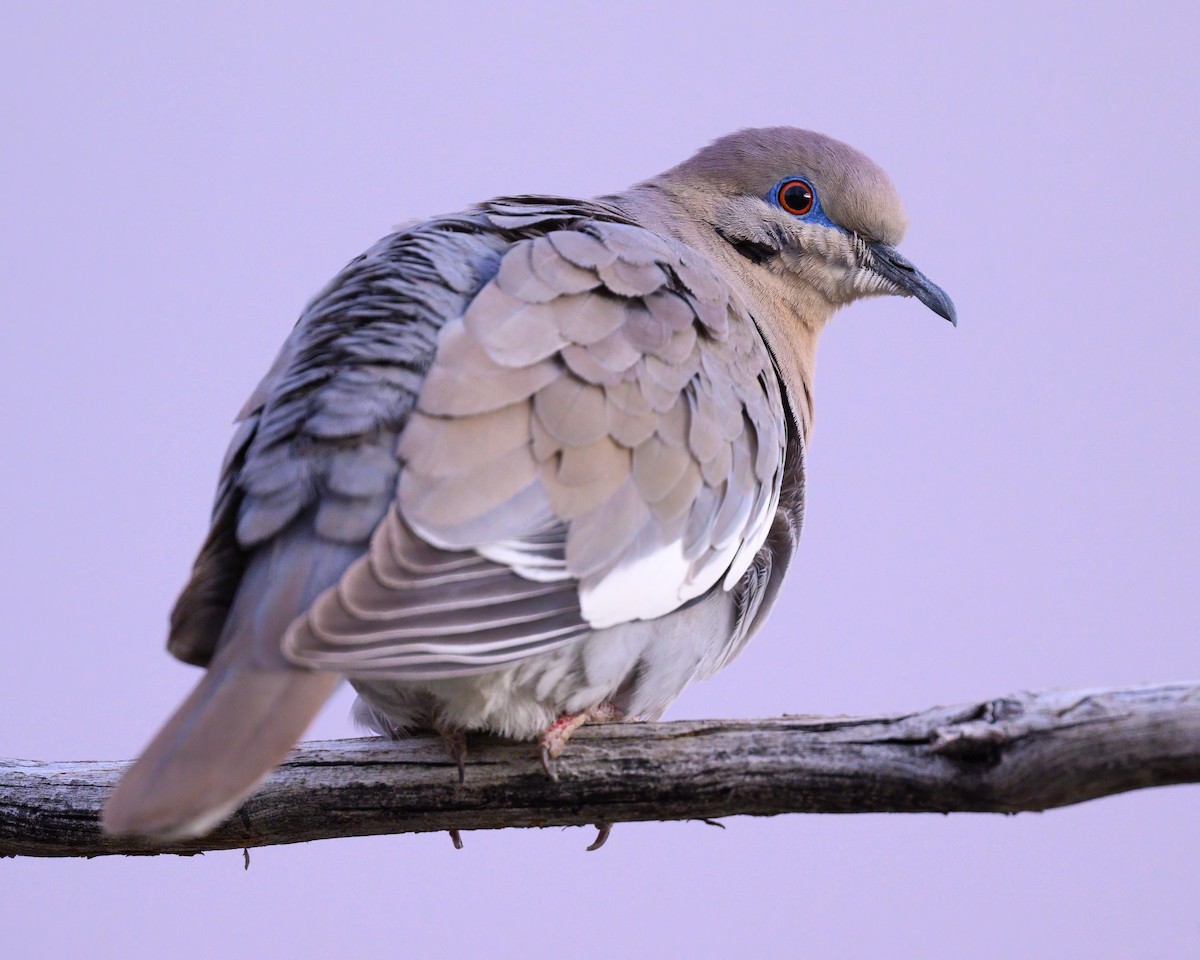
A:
x: 1011, y: 504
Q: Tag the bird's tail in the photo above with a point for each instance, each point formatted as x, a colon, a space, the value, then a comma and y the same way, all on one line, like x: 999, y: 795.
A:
x: 245, y: 714
x: 223, y: 741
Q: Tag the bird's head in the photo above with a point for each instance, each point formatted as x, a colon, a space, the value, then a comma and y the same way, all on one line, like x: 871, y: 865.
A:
x: 813, y: 211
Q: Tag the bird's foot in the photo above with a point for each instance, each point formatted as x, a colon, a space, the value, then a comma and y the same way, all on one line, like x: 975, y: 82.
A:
x: 553, y: 740
x: 456, y: 746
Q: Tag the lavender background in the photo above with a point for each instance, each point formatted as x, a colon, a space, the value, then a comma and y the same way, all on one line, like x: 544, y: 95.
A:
x: 1008, y: 505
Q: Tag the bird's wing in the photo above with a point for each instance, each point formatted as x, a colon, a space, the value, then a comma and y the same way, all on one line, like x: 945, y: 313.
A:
x: 599, y: 438
x: 317, y: 438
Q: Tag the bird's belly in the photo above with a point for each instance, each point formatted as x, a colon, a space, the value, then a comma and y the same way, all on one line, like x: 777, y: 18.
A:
x: 640, y: 667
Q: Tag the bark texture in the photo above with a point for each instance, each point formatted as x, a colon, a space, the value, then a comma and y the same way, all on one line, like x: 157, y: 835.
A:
x: 1024, y: 752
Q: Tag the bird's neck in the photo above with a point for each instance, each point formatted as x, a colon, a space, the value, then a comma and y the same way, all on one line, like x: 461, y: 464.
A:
x: 789, y: 316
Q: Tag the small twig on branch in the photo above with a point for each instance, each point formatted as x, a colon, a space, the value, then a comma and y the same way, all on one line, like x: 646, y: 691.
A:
x: 1029, y: 751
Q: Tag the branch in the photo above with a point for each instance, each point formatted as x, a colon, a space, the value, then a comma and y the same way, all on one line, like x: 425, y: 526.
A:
x: 1029, y: 751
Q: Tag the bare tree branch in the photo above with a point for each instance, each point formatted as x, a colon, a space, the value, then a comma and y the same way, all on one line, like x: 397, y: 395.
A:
x: 1029, y: 751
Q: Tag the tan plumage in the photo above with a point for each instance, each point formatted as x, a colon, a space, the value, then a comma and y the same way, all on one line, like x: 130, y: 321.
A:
x: 519, y: 462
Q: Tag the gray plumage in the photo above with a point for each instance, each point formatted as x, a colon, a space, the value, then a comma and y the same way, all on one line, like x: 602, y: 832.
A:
x: 520, y: 462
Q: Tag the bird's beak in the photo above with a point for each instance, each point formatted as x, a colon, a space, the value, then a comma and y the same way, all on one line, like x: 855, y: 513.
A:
x: 890, y: 264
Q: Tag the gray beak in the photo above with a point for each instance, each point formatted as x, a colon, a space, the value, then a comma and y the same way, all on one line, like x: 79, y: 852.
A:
x: 895, y: 268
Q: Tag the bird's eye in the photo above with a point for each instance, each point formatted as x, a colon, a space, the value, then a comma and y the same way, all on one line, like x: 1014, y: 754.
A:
x: 796, y: 197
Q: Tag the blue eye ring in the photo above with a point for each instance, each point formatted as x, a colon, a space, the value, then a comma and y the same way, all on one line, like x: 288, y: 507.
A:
x: 796, y: 196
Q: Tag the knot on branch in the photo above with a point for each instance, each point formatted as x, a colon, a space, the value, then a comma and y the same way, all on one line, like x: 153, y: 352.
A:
x: 979, y: 743
x: 978, y: 736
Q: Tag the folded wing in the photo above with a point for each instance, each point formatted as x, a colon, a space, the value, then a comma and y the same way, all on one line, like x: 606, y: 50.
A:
x: 599, y: 438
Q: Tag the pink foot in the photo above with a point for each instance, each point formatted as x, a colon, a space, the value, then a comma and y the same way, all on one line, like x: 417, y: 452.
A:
x: 554, y: 740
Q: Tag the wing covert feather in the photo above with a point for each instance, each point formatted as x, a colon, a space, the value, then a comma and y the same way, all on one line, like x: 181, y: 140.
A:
x: 600, y: 437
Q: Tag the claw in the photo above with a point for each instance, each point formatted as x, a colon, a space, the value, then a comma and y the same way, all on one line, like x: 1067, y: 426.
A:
x: 605, y: 829
x: 456, y: 839
x: 548, y: 763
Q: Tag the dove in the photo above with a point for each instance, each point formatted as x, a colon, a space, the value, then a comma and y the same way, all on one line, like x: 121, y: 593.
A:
x: 517, y: 468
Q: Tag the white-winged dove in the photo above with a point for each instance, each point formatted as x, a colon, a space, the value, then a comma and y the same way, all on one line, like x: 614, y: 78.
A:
x: 524, y: 465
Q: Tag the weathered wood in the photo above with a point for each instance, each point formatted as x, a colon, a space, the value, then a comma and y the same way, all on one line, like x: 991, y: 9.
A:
x: 1029, y: 751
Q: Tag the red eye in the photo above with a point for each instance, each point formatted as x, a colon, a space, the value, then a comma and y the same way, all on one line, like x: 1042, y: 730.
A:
x: 796, y: 197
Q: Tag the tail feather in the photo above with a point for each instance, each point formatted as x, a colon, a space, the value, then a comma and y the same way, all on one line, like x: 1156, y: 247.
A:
x: 247, y: 711
x: 221, y: 743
